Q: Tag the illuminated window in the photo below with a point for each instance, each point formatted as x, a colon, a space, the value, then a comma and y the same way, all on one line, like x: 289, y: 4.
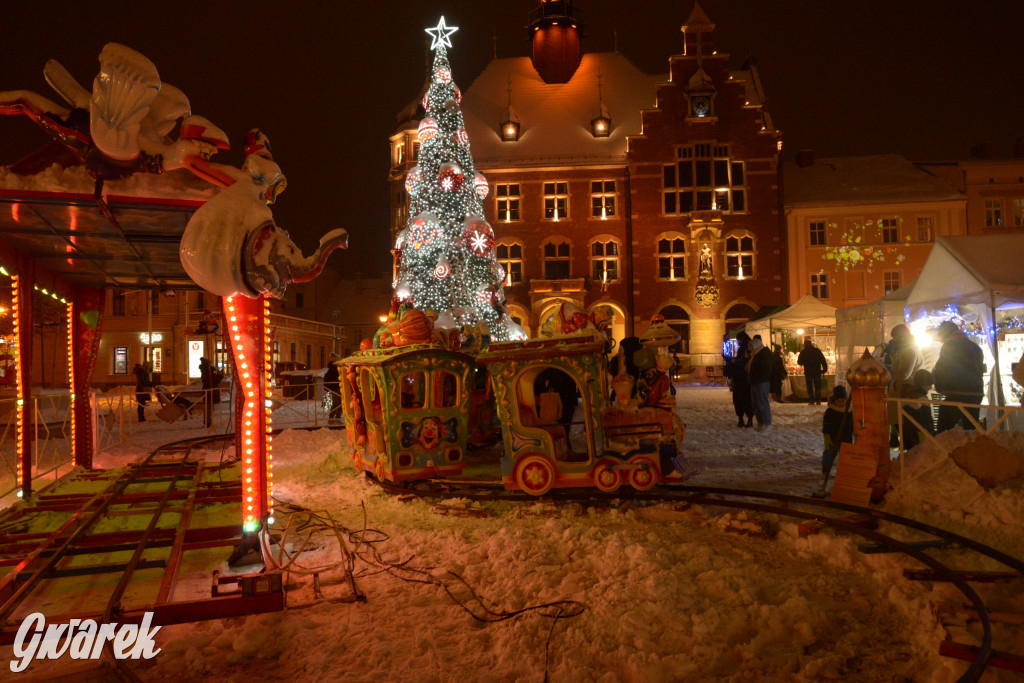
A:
x: 671, y: 257
x: 556, y: 201
x: 891, y: 281
x: 507, y: 197
x: 890, y: 230
x: 401, y: 210
x: 399, y: 155
x: 120, y: 360
x: 739, y: 256
x: 604, y: 259
x: 1018, y: 212
x: 510, y: 256
x: 704, y: 178
x: 817, y: 229
x: 602, y: 199
x: 925, y: 229
x: 415, y: 151
x: 557, y: 263
x: 819, y: 285
x: 993, y: 213
x: 155, y: 357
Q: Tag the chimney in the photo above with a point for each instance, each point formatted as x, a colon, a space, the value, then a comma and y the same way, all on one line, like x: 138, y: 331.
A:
x: 805, y: 158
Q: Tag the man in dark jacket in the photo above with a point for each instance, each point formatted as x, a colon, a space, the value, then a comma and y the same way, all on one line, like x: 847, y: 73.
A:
x: 814, y: 365
x: 210, y: 378
x: 759, y: 374
x: 779, y: 373
x: 736, y: 370
x: 959, y: 376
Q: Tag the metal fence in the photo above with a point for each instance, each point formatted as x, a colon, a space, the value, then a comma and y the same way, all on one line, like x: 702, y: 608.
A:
x: 169, y: 416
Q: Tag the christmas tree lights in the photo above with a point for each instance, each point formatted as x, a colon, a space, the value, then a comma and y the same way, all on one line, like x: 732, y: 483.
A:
x: 445, y: 255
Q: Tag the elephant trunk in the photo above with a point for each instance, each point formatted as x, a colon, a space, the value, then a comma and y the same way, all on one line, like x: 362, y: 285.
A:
x: 306, y: 269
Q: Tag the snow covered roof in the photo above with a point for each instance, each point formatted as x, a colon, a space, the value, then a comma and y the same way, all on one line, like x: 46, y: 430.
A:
x: 878, y: 179
x: 555, y: 118
x: 966, y: 269
x: 806, y: 312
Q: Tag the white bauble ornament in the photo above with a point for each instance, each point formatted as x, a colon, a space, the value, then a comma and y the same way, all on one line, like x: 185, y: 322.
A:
x: 402, y: 237
x: 461, y: 136
x: 403, y: 291
x: 445, y: 321
x: 427, y: 130
x: 423, y: 230
x: 450, y: 177
x: 413, y: 181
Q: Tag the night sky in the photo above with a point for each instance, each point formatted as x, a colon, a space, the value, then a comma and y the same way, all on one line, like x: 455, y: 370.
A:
x: 924, y: 78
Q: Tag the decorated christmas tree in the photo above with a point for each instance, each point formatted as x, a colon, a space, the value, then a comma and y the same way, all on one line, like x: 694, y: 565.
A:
x: 446, y: 259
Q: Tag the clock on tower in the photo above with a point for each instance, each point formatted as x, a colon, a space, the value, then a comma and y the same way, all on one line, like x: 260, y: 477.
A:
x: 700, y: 106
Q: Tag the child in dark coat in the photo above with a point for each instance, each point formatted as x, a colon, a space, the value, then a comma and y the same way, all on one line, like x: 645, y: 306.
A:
x: 921, y: 413
x: 835, y: 429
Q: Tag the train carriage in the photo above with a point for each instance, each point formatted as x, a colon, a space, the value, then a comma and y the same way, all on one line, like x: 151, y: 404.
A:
x: 406, y: 410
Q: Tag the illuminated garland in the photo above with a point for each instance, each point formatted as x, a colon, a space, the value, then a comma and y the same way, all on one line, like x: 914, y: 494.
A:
x: 71, y: 372
x: 18, y: 380
x: 268, y: 373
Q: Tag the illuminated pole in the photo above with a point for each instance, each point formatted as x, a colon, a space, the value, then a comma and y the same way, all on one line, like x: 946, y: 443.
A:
x: 21, y: 311
x: 83, y: 320
x: 249, y: 332
x: 868, y: 379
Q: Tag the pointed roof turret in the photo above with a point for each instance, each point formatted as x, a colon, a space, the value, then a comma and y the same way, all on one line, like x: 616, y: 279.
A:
x: 698, y: 19
x: 697, y: 33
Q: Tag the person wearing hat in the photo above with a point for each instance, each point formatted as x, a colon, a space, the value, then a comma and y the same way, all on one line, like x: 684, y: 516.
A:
x: 959, y: 376
x: 735, y: 369
x: 333, y: 385
x: 836, y: 427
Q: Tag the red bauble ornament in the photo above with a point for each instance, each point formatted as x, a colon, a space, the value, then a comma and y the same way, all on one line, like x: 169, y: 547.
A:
x: 477, y: 236
x: 423, y: 230
x: 450, y: 177
x: 427, y: 130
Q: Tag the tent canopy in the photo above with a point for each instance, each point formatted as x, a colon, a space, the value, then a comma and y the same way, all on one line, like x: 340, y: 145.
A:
x: 975, y: 269
x: 807, y: 312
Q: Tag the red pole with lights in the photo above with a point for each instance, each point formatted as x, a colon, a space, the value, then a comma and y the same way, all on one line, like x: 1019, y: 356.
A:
x: 21, y: 312
x: 83, y: 321
x: 249, y: 331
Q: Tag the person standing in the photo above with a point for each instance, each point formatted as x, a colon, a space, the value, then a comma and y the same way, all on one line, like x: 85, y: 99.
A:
x: 206, y: 376
x: 759, y: 373
x: 959, y: 376
x: 779, y: 373
x: 836, y: 427
x: 332, y: 384
x: 813, y: 362
x: 142, y: 386
x: 904, y: 360
x: 736, y: 370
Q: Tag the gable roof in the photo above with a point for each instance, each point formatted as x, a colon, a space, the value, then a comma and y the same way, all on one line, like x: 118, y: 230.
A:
x: 878, y: 179
x: 966, y: 269
x: 555, y: 117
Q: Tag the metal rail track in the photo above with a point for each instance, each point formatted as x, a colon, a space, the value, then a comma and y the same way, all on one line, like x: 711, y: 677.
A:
x: 851, y: 519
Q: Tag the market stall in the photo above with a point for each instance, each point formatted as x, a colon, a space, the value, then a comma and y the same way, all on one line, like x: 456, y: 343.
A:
x: 976, y: 281
x: 868, y: 327
x: 808, y: 317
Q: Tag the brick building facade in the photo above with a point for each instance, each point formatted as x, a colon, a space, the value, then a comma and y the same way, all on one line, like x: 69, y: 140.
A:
x: 653, y: 194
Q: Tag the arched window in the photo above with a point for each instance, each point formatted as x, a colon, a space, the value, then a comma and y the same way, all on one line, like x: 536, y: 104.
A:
x: 557, y: 258
x: 671, y: 256
x: 604, y: 258
x: 739, y: 256
x: 737, y: 316
x: 510, y: 256
x: 678, y: 319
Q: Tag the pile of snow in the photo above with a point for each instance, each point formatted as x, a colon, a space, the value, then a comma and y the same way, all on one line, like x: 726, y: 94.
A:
x: 668, y: 596
x: 180, y: 184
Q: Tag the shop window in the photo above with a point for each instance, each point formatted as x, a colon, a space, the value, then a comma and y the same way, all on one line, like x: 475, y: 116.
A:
x: 120, y: 360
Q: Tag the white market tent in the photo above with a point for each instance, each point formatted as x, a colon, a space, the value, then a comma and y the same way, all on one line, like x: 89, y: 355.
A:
x: 867, y: 327
x: 982, y: 274
x: 806, y: 313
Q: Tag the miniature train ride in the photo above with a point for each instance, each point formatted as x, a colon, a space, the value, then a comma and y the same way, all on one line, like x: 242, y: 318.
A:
x: 413, y: 410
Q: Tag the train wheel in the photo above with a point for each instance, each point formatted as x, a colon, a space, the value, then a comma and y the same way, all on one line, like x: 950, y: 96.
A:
x: 378, y: 468
x: 606, y: 478
x: 535, y: 475
x: 642, y: 478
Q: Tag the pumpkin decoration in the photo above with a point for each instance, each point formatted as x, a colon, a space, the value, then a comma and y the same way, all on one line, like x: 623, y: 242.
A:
x: 414, y: 327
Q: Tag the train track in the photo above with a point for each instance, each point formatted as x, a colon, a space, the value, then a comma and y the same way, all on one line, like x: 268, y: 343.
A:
x: 938, y: 550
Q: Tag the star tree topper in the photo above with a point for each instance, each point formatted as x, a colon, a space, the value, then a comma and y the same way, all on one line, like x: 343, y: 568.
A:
x: 440, y: 35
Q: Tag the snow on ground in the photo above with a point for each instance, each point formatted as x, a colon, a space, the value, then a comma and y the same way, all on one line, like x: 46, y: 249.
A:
x: 667, y: 595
